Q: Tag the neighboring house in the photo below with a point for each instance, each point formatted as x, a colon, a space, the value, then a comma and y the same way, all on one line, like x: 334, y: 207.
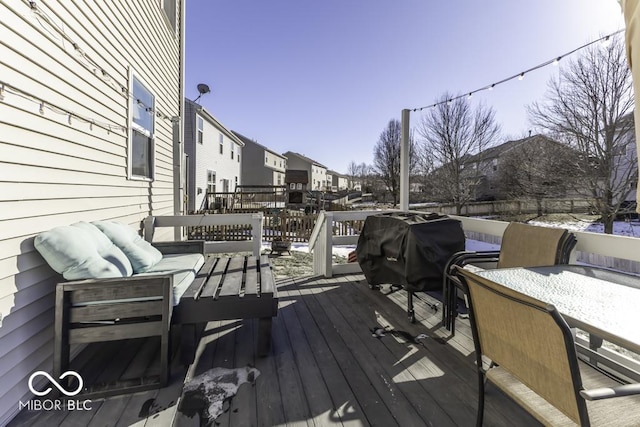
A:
x: 260, y: 165
x: 214, y: 156
x: 338, y: 181
x: 537, y: 157
x: 354, y: 184
x: 90, y: 99
x: 329, y: 184
x: 317, y: 171
x: 627, y: 157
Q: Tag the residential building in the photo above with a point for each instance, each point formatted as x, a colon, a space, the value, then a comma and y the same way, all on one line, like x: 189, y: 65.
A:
x: 90, y: 99
x: 261, y: 165
x: 626, y: 157
x: 338, y: 181
x: 536, y: 159
x: 317, y: 171
x: 329, y: 184
x: 214, y: 156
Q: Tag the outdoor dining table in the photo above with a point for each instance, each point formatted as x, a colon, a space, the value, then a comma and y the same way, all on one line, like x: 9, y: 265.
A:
x: 602, y: 302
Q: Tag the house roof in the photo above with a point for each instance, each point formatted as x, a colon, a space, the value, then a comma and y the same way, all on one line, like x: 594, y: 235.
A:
x: 499, y: 150
x: 211, y: 119
x: 296, y: 175
x: 289, y: 154
x: 248, y: 140
x: 332, y: 172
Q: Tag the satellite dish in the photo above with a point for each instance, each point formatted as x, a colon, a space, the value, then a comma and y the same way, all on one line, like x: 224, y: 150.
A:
x: 202, y: 89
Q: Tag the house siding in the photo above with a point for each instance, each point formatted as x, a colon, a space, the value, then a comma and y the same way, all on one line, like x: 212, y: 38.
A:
x: 57, y: 169
x: 258, y: 165
x: 317, y: 172
x: 206, y: 156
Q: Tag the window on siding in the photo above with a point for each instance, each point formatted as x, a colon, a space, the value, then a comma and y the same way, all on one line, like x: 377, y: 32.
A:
x: 238, y: 157
x: 211, y: 181
x: 221, y: 144
x: 141, y: 155
x: 231, y: 148
x: 200, y: 129
x: 169, y: 9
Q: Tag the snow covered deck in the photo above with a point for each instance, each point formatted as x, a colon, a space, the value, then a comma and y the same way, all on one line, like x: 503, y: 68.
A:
x: 325, y: 368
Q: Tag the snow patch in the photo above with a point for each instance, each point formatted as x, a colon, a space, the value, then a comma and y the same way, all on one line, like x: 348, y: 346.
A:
x: 206, y: 394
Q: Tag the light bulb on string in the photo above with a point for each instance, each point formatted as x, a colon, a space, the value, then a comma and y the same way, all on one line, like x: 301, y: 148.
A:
x: 556, y: 61
x: 521, y: 76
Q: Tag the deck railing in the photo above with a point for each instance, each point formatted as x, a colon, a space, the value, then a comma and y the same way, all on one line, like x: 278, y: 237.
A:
x: 251, y: 224
x: 604, y: 250
x: 323, y: 238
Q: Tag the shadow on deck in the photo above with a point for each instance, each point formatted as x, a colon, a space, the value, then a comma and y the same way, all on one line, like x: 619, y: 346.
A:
x: 325, y: 367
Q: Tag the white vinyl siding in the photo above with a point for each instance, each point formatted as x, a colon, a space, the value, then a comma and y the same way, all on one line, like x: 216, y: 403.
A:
x: 71, y: 162
x: 209, y: 158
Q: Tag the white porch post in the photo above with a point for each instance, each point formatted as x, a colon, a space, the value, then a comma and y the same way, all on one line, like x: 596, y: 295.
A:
x: 404, y: 162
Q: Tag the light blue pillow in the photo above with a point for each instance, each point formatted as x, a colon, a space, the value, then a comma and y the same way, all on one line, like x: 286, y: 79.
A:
x: 141, y: 254
x: 81, y: 251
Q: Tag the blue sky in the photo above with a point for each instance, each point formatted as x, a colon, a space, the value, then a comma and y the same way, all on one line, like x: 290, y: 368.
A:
x: 323, y: 78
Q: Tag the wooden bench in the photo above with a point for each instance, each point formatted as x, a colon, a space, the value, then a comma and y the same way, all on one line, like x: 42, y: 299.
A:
x: 240, y: 287
x: 88, y: 311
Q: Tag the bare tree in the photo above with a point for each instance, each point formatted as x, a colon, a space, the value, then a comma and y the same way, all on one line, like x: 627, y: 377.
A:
x: 386, y: 157
x: 455, y: 134
x: 536, y: 167
x: 424, y: 168
x: 590, y: 106
x: 353, y: 173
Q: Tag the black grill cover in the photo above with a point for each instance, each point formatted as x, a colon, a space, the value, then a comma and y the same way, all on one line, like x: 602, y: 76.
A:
x: 408, y: 249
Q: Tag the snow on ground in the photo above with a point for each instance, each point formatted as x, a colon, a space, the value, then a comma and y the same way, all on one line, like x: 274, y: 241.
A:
x: 620, y: 228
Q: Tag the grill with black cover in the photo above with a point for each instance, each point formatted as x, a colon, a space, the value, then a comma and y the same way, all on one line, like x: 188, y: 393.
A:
x: 408, y: 249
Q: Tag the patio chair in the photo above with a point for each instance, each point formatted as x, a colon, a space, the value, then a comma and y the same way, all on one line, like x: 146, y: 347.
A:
x: 523, y: 245
x: 533, y: 360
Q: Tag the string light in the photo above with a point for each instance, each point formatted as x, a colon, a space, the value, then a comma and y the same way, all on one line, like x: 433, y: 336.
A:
x: 87, y: 61
x: 7, y: 89
x: 520, y: 76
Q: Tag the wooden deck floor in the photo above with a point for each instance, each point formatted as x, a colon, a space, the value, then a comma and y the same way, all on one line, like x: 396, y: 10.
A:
x: 325, y: 368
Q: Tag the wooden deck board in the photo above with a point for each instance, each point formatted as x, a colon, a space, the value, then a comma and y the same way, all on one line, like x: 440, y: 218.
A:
x: 325, y: 368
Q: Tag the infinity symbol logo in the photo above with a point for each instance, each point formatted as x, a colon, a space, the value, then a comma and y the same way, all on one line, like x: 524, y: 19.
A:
x: 55, y: 383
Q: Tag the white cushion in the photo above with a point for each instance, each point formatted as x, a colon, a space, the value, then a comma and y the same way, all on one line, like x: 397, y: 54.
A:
x: 81, y: 251
x: 141, y: 254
